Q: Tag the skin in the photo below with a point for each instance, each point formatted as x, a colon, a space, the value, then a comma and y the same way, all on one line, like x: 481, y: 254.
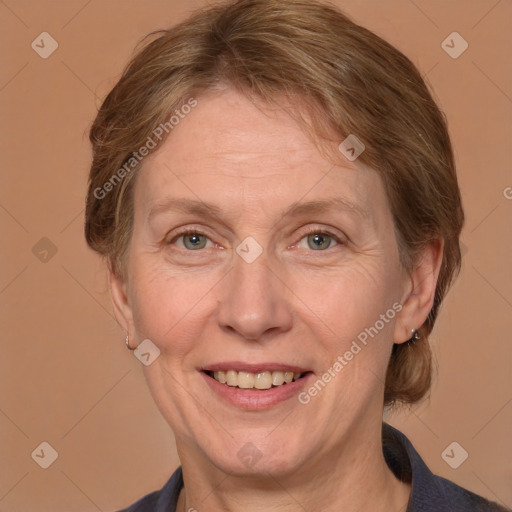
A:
x: 294, y: 304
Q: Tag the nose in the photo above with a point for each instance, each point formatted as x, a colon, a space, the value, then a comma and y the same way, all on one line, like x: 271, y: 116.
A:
x: 254, y: 302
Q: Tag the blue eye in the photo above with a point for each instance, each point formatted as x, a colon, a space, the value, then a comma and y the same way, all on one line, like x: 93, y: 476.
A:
x: 193, y: 240
x: 318, y: 241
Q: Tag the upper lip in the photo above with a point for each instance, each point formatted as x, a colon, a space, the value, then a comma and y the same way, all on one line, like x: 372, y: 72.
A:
x: 253, y: 367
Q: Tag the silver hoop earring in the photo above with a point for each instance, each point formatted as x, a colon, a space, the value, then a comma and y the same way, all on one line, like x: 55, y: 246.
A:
x: 128, y: 343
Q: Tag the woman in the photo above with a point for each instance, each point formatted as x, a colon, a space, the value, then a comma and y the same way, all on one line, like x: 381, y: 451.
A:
x: 274, y: 190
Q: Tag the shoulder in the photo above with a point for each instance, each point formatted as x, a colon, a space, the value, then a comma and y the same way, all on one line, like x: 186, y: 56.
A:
x: 429, y: 492
x: 163, y: 500
x: 145, y: 504
x: 459, y: 499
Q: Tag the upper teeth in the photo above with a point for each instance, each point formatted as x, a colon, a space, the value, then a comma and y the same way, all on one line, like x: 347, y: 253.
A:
x: 248, y: 380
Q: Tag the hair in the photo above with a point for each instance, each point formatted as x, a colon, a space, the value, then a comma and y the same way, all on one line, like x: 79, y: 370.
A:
x: 345, y: 77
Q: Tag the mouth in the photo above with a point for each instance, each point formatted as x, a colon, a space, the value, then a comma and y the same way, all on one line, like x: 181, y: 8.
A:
x: 256, y: 386
x: 260, y: 380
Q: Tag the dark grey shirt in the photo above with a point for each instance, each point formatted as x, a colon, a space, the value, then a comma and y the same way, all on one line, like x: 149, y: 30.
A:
x: 430, y: 493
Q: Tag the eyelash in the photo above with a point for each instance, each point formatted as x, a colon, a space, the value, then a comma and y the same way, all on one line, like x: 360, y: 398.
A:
x: 310, y: 231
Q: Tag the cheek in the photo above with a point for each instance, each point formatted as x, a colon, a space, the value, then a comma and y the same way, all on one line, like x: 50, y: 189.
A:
x: 349, y: 313
x: 347, y: 297
x: 169, y: 308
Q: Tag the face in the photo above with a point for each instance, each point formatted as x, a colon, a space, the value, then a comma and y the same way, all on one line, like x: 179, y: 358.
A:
x: 257, y: 260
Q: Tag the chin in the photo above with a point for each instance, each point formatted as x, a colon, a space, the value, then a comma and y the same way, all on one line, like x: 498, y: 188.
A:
x: 260, y: 456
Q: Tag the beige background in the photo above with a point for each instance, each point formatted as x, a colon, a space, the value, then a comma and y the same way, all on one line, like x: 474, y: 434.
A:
x: 66, y: 376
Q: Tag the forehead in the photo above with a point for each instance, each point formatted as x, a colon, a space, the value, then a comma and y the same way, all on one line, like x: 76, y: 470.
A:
x: 246, y: 156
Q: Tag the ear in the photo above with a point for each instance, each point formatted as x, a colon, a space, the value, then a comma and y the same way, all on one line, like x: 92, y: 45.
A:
x: 120, y: 300
x: 419, y: 292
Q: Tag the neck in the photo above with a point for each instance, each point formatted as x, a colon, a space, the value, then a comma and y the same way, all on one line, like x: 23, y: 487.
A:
x: 356, y: 477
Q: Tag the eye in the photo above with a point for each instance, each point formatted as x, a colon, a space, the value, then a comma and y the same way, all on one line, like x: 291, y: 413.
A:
x: 191, y: 240
x: 194, y: 240
x: 319, y: 241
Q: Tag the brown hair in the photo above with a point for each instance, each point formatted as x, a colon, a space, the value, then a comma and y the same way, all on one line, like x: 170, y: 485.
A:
x: 353, y: 81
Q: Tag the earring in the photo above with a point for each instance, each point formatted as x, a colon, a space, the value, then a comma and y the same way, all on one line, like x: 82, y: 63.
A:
x: 415, y: 336
x: 128, y: 343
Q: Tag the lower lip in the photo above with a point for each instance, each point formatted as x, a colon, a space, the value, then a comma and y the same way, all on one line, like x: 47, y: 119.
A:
x: 256, y: 399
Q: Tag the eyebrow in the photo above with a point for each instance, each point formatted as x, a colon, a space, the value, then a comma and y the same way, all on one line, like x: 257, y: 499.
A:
x: 296, y: 209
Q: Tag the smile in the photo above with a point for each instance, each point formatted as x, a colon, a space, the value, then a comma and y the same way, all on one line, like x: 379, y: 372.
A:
x: 249, y: 380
